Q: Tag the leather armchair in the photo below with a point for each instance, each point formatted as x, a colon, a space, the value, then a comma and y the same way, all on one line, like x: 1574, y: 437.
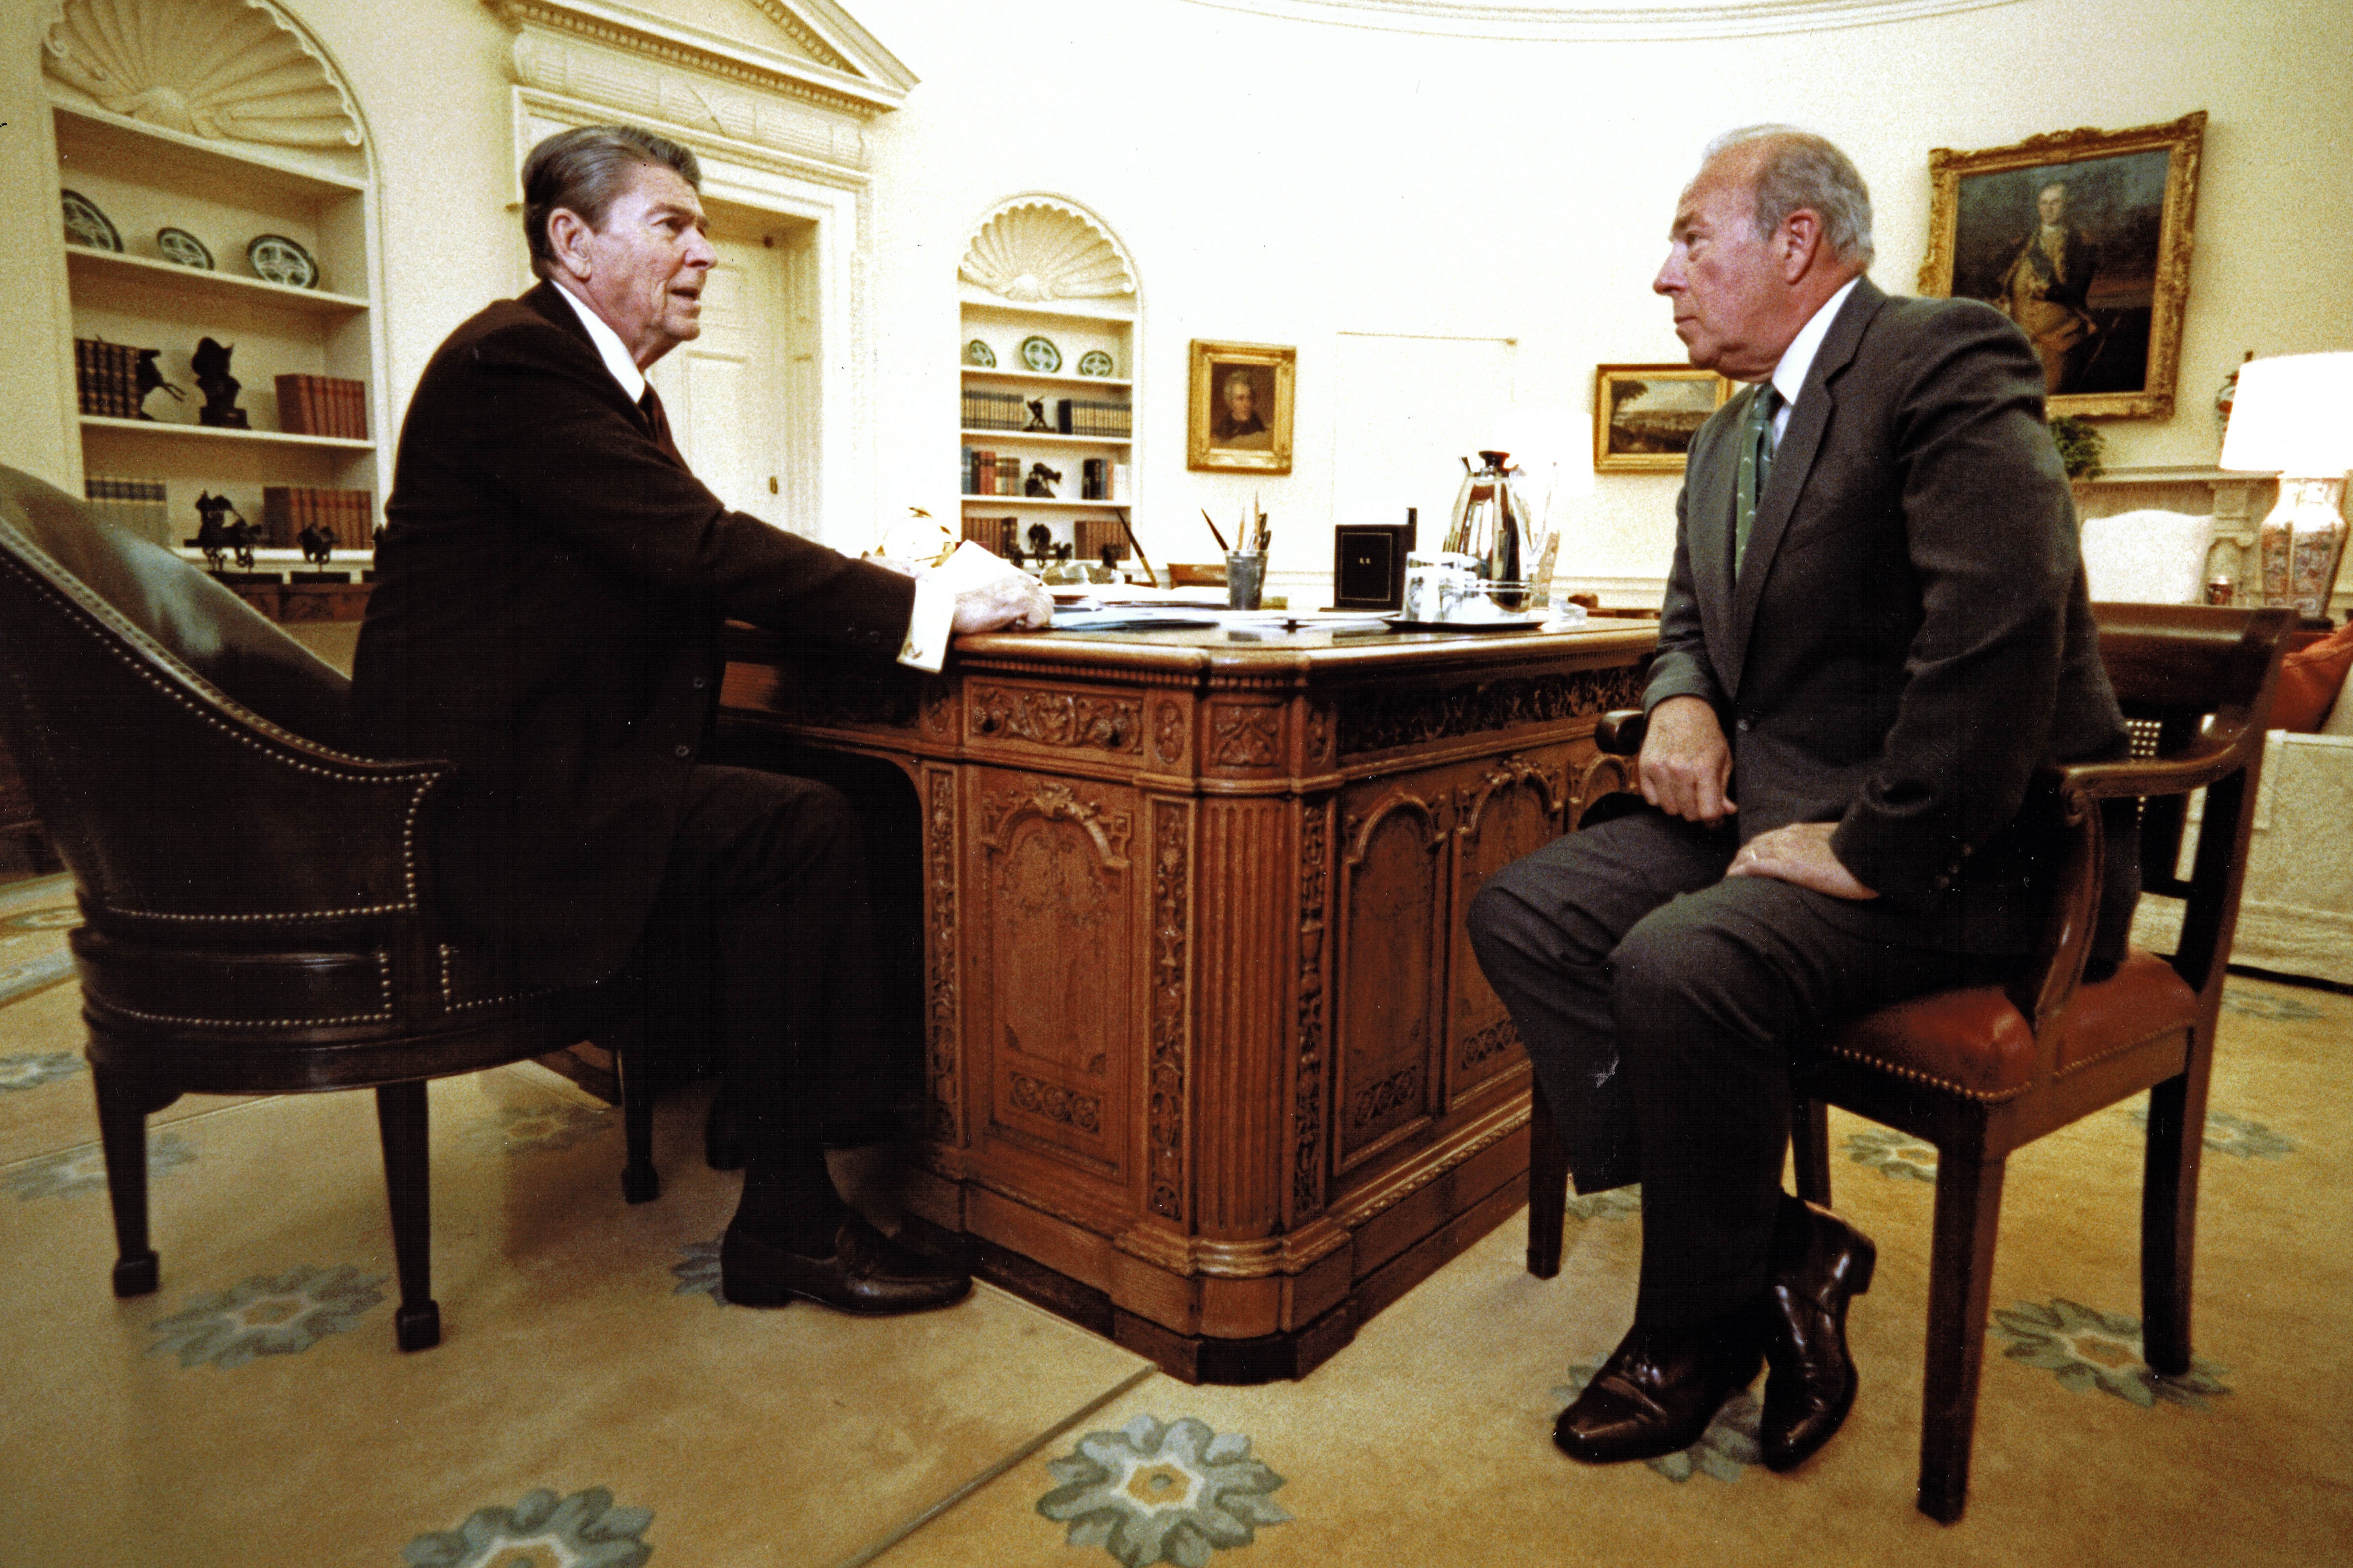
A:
x: 257, y: 898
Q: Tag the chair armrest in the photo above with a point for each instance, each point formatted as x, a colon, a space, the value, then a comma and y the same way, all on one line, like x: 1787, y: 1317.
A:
x: 1620, y: 731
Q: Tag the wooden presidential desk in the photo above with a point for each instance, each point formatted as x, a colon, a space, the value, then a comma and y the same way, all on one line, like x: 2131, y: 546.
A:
x: 1210, y: 1067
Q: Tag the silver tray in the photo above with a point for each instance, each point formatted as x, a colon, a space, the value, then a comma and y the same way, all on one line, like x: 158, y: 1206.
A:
x: 1509, y: 623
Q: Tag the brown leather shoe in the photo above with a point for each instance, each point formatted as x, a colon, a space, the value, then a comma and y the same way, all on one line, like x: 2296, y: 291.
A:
x: 867, y: 1273
x: 1813, y: 1380
x: 1659, y: 1389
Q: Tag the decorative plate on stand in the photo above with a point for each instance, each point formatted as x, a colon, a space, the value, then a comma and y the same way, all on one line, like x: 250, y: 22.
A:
x: 277, y: 259
x: 1041, y: 355
x: 85, y: 225
x: 980, y: 354
x: 178, y: 245
x: 1094, y: 362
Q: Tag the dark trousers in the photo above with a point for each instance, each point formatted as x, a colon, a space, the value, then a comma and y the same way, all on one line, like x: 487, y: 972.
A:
x: 762, y: 942
x: 1660, y: 1002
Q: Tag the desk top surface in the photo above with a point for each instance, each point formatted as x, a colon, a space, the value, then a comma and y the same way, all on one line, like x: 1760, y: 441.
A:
x: 1265, y: 649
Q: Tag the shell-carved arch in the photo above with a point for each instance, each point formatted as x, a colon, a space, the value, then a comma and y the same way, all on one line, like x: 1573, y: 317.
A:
x: 1038, y: 247
x: 1053, y: 801
x: 235, y: 71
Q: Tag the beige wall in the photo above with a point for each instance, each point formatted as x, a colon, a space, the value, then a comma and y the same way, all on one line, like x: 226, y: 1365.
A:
x: 1287, y: 183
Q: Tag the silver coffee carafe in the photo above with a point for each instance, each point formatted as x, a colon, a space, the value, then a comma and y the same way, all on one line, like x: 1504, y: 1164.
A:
x: 1493, y: 524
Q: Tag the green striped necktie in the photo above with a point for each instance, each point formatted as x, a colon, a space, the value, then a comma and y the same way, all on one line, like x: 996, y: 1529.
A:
x: 1756, y: 470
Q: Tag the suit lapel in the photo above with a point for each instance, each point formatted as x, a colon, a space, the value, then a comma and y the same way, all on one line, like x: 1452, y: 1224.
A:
x: 1709, y: 484
x: 1793, y: 460
x: 542, y: 298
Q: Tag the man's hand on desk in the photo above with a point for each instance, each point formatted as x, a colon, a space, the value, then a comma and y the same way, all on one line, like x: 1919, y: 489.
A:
x: 1014, y: 600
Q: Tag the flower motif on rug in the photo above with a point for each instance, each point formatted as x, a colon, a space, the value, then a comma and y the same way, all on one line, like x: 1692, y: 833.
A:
x: 73, y: 1171
x: 2265, y: 1004
x: 1152, y: 1493
x: 2087, y: 1348
x: 583, y: 1530
x: 281, y: 1314
x: 1617, y: 1203
x: 1898, y: 1156
x: 23, y: 976
x: 37, y: 1068
x: 546, y: 1124
x: 2229, y: 1134
x: 698, y: 1271
x: 1727, y: 1448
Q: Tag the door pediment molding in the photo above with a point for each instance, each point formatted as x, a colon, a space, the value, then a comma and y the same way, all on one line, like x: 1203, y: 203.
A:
x: 809, y: 90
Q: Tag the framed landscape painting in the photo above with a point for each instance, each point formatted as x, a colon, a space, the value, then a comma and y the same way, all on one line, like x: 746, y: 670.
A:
x: 1644, y: 415
x: 2082, y: 238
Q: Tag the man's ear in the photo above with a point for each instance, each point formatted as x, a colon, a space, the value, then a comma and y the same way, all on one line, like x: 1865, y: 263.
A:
x: 1800, y: 240
x: 567, y: 236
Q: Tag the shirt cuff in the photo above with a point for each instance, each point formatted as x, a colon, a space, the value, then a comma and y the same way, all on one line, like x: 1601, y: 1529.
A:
x: 929, y: 626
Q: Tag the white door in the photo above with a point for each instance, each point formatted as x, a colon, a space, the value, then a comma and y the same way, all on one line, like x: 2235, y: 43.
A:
x: 730, y: 393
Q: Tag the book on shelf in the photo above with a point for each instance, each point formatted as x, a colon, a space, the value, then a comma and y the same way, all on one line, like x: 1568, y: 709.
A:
x: 1098, y: 534
x: 322, y: 405
x: 1095, y: 480
x: 288, y: 510
x: 136, y: 505
x: 1094, y: 416
x: 985, y: 409
x: 106, y: 378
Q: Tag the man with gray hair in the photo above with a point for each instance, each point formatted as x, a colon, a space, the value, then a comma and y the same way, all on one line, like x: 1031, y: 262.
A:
x: 1874, y: 631
x: 549, y: 593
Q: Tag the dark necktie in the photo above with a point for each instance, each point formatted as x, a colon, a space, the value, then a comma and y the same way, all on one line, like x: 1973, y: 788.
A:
x: 1756, y: 470
x: 651, y: 406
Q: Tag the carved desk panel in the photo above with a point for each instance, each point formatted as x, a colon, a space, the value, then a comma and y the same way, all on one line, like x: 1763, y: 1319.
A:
x: 1210, y: 1066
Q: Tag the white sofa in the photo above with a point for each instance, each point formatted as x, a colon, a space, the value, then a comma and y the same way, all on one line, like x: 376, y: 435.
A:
x: 2296, y: 913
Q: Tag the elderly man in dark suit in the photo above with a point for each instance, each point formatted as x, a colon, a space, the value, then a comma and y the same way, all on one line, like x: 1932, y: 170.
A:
x: 550, y: 588
x: 1875, y: 630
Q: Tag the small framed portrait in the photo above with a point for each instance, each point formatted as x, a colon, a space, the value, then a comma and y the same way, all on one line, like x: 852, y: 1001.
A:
x: 2082, y: 238
x: 1241, y: 408
x: 1644, y: 415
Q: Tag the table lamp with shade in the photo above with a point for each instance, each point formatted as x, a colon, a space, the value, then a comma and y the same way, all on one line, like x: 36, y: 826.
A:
x: 2294, y: 415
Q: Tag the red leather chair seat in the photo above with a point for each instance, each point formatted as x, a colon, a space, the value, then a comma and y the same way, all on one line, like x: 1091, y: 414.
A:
x: 1974, y: 1042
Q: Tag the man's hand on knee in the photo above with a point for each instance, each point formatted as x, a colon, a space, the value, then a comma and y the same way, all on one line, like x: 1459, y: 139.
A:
x: 1685, y: 763
x: 1799, y: 854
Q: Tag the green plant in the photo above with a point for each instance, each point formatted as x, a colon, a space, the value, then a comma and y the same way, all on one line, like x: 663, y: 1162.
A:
x: 2081, y: 445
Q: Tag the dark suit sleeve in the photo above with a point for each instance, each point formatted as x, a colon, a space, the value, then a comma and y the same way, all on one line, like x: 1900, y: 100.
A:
x: 1989, y: 529
x: 562, y: 441
x: 1682, y: 668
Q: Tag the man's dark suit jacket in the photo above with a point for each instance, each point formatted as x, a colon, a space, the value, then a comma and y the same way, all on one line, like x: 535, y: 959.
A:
x: 548, y: 597
x: 1909, y: 637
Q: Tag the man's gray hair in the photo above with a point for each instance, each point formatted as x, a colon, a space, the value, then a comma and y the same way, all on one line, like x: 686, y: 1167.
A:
x: 1797, y: 169
x: 585, y: 169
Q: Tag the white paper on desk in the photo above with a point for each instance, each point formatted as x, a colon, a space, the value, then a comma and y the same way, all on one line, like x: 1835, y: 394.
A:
x: 969, y: 567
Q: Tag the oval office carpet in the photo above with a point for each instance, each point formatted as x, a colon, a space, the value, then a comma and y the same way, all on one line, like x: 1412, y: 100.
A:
x: 593, y: 1407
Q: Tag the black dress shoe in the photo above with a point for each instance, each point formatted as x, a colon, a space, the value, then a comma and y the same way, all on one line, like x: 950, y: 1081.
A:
x: 867, y: 1273
x: 1658, y: 1392
x: 1813, y: 1380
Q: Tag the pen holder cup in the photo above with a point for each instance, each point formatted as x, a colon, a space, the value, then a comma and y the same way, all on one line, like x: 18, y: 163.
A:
x: 1245, y: 580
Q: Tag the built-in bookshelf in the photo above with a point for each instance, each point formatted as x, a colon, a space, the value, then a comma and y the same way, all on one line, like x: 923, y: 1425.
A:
x: 318, y: 203
x: 1048, y: 384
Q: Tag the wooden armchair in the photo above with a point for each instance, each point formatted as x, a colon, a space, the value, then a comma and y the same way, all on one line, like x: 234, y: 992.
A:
x: 1981, y: 1072
x: 255, y: 897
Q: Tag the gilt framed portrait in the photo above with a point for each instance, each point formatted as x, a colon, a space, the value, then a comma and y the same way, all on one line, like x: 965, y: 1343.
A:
x: 2082, y: 238
x: 1644, y: 415
x: 1240, y: 418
